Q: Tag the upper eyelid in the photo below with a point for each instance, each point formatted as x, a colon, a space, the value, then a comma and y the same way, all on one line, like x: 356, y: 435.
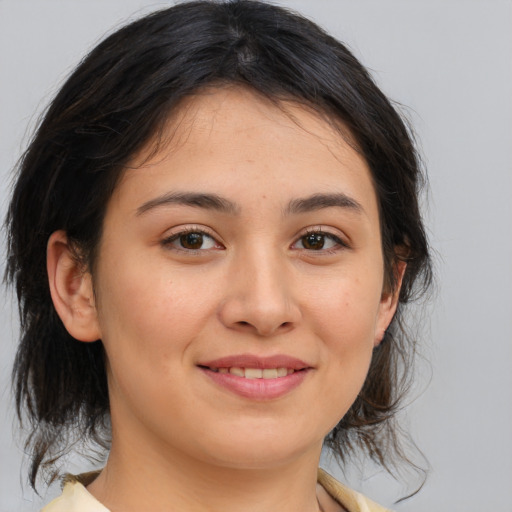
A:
x: 323, y: 230
x: 176, y: 233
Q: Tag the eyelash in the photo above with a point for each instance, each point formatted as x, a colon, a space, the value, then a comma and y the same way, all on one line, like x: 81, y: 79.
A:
x: 316, y: 232
x: 319, y: 232
x: 167, y: 242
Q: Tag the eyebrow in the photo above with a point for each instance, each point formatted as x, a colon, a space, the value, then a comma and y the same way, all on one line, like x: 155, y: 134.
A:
x: 198, y: 200
x: 320, y: 201
x: 223, y: 205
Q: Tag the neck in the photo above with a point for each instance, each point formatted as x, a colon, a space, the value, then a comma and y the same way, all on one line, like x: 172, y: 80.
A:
x: 158, y: 480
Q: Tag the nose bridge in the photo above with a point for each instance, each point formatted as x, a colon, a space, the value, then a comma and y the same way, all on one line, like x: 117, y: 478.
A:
x: 260, y: 295
x: 267, y: 277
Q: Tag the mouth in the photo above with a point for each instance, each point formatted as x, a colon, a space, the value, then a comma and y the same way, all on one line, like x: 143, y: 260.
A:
x: 254, y: 373
x: 257, y: 378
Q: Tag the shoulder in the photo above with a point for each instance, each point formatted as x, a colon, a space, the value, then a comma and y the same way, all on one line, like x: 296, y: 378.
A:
x: 75, y: 498
x: 348, y: 498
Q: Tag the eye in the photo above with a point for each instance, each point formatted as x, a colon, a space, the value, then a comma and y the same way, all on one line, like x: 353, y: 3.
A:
x: 318, y: 241
x: 195, y: 240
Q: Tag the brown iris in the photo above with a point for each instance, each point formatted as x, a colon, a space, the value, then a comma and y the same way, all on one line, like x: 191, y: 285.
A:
x: 313, y: 241
x: 191, y: 241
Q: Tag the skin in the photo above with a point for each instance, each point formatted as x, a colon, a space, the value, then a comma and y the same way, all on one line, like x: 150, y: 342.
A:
x: 255, y: 286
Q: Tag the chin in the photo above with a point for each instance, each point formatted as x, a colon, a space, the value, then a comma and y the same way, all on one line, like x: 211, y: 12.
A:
x: 257, y: 451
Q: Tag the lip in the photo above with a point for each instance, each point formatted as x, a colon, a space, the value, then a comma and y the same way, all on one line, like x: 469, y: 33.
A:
x: 253, y: 361
x: 257, y: 389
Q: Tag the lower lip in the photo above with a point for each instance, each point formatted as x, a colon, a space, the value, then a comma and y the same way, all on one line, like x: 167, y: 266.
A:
x: 257, y: 389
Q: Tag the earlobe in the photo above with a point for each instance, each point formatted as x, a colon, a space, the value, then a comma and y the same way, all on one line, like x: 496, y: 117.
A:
x: 71, y: 289
x: 389, y: 303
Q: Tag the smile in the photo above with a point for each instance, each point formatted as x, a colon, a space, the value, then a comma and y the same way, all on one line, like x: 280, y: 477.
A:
x: 256, y: 378
x: 255, y: 373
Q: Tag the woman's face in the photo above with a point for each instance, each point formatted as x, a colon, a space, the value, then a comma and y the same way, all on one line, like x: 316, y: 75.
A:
x: 239, y: 285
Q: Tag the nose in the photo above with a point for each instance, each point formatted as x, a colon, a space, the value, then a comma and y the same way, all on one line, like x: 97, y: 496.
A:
x: 260, y: 297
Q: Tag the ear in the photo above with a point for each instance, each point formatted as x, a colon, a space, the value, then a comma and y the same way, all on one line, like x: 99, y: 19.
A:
x: 71, y: 289
x: 389, y: 303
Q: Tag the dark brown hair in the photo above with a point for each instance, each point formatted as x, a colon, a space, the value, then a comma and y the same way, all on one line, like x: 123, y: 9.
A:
x: 116, y: 100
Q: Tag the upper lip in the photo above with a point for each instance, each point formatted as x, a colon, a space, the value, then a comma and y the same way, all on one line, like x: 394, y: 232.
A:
x: 254, y: 361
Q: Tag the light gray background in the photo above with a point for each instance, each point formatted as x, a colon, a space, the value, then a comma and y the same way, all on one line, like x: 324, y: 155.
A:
x: 450, y: 62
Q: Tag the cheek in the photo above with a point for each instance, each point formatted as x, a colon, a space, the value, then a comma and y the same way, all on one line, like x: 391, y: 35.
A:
x: 345, y: 321
x: 146, y: 315
x: 150, y: 316
x: 147, y: 324
x: 346, y: 309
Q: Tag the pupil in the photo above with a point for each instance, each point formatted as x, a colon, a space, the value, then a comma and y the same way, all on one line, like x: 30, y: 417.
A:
x: 191, y: 240
x: 314, y: 241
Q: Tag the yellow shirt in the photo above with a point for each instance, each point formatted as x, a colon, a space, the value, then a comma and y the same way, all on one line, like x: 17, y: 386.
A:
x: 76, y: 498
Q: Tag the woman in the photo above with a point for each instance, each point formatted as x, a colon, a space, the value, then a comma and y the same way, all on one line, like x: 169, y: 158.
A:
x: 213, y: 235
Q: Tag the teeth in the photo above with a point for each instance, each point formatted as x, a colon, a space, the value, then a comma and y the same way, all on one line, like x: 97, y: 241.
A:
x: 282, y: 372
x: 253, y: 373
x: 239, y: 372
x: 256, y: 373
x: 270, y: 373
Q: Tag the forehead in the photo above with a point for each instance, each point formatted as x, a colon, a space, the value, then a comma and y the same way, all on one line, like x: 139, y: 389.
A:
x: 234, y: 134
x: 215, y: 112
